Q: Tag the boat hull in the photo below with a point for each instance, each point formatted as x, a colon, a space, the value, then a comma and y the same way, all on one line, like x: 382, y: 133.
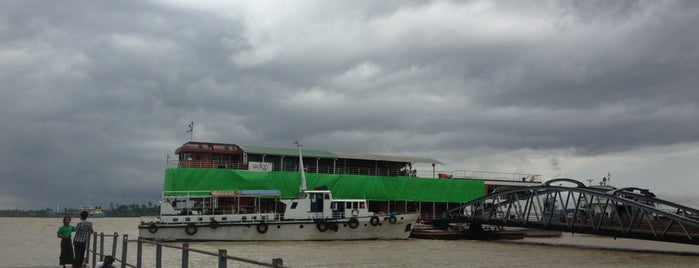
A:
x: 384, y: 228
x: 439, y: 234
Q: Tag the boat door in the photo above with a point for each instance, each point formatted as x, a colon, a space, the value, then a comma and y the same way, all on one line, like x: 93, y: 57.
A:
x: 316, y: 202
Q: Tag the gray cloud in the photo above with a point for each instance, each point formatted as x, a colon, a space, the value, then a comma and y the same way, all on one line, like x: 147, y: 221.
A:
x: 95, y: 95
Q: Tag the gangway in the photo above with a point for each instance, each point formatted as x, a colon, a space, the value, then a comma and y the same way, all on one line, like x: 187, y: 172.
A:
x: 568, y: 205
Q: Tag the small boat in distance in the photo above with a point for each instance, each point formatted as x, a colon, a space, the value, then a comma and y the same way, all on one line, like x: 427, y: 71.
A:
x: 95, y: 212
x: 262, y: 215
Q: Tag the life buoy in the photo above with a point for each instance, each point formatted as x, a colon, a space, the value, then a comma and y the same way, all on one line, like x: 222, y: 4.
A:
x: 322, y: 226
x: 353, y: 223
x: 374, y: 221
x: 213, y: 224
x: 191, y: 229
x: 262, y: 227
x: 392, y: 219
x: 333, y: 226
x: 152, y: 228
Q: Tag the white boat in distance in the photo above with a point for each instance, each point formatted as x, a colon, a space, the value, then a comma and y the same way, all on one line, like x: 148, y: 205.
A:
x: 261, y: 215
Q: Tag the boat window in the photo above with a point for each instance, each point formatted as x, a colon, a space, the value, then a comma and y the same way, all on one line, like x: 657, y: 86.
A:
x: 361, y: 205
x: 175, y: 220
x: 294, y: 204
x: 187, y: 219
x: 348, y: 205
x: 327, y: 196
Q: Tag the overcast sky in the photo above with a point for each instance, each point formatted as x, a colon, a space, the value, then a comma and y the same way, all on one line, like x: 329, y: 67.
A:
x: 96, y: 94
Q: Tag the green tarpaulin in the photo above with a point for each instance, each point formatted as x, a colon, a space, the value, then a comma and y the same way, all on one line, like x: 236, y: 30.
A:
x: 374, y: 188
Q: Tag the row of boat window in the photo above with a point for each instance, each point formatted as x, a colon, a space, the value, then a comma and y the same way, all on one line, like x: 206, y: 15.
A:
x: 243, y: 218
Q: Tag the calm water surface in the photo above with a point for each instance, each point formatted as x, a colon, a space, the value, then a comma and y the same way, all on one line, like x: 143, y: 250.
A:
x: 32, y: 242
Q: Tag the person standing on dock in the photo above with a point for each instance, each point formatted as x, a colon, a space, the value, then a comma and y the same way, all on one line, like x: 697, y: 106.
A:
x: 64, y: 233
x: 82, y: 234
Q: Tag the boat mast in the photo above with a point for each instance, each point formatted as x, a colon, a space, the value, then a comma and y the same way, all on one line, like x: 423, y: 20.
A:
x: 302, y: 188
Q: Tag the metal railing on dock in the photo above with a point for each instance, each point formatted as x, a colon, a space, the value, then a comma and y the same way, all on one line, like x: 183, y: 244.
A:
x: 222, y: 254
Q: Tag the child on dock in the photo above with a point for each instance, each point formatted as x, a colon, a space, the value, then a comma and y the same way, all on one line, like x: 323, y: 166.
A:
x: 64, y: 233
x: 108, y: 262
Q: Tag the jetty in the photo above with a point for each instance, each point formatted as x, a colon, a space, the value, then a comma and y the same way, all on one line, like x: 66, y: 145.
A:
x: 570, y: 206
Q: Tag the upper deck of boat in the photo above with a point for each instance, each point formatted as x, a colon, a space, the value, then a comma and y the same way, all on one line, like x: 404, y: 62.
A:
x: 224, y: 155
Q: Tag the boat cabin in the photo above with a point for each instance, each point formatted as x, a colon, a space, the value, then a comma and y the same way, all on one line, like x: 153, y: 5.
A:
x: 222, y: 155
x: 255, y: 205
x: 319, y: 204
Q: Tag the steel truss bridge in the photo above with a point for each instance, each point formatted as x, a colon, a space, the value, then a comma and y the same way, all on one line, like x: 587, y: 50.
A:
x: 570, y: 206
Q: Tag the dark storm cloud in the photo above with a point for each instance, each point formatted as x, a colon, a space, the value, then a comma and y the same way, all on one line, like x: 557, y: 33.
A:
x: 95, y: 95
x: 86, y: 96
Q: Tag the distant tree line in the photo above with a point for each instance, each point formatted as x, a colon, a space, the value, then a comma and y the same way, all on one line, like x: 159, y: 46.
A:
x: 114, y: 210
x: 133, y: 210
x: 27, y: 213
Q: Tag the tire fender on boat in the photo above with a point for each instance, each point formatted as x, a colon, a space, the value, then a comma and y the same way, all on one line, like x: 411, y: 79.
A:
x: 333, y: 226
x: 392, y: 219
x: 353, y: 223
x: 213, y: 224
x: 374, y: 221
x: 191, y: 229
x: 322, y: 226
x: 262, y: 227
x: 152, y: 228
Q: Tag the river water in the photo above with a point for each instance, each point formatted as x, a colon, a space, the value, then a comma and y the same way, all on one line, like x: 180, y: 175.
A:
x: 32, y: 242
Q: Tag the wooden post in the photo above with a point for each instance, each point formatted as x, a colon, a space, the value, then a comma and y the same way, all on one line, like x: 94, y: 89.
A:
x: 185, y: 255
x: 222, y: 254
x: 277, y: 262
x: 158, y: 255
x: 94, y: 249
x: 124, y: 245
x: 139, y: 253
x: 101, y: 248
x: 114, y: 244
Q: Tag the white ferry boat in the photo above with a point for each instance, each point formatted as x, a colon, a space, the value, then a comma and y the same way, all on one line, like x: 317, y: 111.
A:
x: 261, y: 215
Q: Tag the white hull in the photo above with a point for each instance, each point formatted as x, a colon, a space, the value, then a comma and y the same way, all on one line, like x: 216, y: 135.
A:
x: 399, y: 227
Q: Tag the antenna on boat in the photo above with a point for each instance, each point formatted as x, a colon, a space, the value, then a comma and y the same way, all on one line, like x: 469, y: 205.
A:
x: 303, y: 188
x: 190, y: 130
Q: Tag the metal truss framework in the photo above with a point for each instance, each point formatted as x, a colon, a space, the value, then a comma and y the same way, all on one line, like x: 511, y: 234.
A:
x: 627, y: 212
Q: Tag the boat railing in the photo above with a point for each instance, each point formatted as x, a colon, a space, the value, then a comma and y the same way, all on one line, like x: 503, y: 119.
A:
x: 480, y: 175
x: 373, y: 171
x: 309, y: 168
